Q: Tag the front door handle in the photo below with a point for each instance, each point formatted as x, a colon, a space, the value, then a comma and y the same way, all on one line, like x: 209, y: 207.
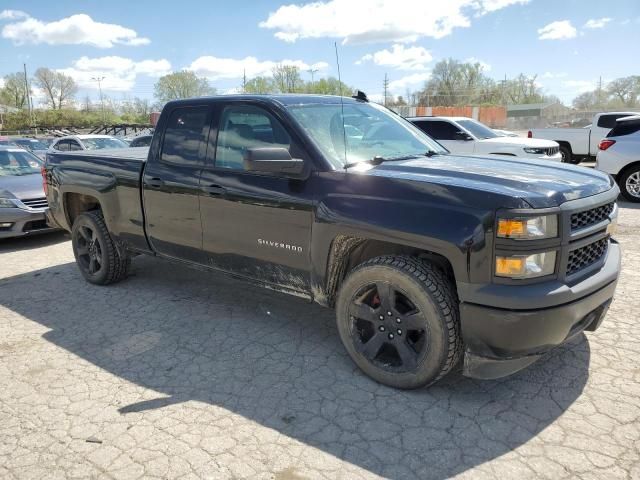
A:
x: 213, y: 189
x: 154, y: 182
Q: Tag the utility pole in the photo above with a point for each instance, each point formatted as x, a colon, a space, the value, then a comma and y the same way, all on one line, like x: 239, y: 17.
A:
x: 504, y: 90
x: 312, y: 71
x: 244, y: 80
x: 600, y: 91
x: 385, y: 85
x: 99, y: 80
x: 27, y: 92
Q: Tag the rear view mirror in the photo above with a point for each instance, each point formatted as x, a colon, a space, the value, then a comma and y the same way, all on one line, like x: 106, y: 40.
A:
x: 273, y: 160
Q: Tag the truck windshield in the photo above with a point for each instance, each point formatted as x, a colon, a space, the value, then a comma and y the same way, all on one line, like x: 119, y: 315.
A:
x: 100, y: 143
x: 18, y: 162
x: 369, y: 130
x: 477, y: 129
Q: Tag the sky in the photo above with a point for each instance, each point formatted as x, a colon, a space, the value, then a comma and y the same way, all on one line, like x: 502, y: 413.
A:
x: 568, y: 44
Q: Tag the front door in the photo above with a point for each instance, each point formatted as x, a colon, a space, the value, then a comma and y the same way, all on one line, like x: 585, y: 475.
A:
x: 171, y: 185
x: 255, y: 225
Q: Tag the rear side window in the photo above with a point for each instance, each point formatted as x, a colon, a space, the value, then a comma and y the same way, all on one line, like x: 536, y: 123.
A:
x: 185, y: 136
x: 625, y: 128
x: 73, y: 145
x: 62, y: 145
x: 609, y: 121
x: 438, y: 129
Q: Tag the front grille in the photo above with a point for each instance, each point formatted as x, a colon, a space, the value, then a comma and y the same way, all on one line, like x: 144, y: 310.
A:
x: 552, y: 151
x: 590, y: 217
x: 584, y: 256
x: 35, y: 202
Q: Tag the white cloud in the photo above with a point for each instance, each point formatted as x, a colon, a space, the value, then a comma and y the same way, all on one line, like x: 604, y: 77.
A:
x: 410, y: 80
x: 78, y: 29
x: 400, y: 57
x: 559, y: 30
x: 215, y: 68
x: 370, y: 21
x: 12, y: 14
x: 485, y: 66
x: 119, y: 73
x: 553, y: 75
x: 597, y: 22
x: 580, y: 86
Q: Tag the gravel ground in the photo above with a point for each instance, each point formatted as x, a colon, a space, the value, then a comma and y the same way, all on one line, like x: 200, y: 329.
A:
x: 177, y: 373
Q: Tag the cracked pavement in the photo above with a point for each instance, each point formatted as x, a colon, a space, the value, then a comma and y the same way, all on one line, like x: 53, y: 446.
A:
x: 177, y: 373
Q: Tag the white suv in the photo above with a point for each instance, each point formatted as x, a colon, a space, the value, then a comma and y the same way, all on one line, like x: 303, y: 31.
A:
x: 463, y: 135
x: 619, y: 156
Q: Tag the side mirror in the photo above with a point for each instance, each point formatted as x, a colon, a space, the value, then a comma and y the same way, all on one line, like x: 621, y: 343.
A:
x: 273, y: 160
x: 460, y: 135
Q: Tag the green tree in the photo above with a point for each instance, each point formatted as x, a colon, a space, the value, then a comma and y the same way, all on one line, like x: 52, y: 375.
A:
x: 260, y: 85
x: 14, y: 92
x: 625, y: 90
x: 184, y: 84
x: 328, y: 86
x: 59, y: 88
x: 287, y: 79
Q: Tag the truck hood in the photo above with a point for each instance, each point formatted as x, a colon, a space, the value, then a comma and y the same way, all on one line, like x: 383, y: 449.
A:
x: 520, y: 141
x: 21, y: 186
x: 540, y: 183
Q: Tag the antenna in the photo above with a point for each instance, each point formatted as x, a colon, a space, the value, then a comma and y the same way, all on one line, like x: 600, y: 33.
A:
x: 344, y: 131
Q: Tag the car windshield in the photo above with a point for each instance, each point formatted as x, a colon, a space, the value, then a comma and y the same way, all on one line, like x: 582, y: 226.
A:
x: 18, y: 162
x: 369, y: 130
x: 100, y: 143
x: 477, y: 129
x: 31, y: 144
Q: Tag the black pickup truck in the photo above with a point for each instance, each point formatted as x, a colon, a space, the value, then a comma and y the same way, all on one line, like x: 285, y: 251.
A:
x: 426, y: 257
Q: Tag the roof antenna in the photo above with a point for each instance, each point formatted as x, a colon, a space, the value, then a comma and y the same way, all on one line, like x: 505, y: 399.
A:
x: 344, y: 131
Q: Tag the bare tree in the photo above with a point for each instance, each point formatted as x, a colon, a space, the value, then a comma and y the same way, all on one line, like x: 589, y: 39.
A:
x: 625, y: 89
x: 58, y: 87
x: 14, y: 92
x: 287, y: 78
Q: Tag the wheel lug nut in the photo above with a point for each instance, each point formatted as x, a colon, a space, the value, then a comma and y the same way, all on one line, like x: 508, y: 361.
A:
x: 391, y: 336
x: 389, y: 313
x: 398, y: 320
x: 381, y: 317
x: 399, y: 332
x: 381, y: 328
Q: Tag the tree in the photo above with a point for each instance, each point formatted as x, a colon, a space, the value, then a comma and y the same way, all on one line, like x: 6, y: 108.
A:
x: 58, y: 87
x: 287, y: 78
x: 259, y: 85
x: 587, y: 101
x: 182, y: 84
x: 626, y: 90
x: 523, y: 89
x: 328, y: 86
x: 14, y: 91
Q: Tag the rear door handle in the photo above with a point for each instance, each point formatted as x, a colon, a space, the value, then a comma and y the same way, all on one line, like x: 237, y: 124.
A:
x: 213, y: 189
x: 154, y: 182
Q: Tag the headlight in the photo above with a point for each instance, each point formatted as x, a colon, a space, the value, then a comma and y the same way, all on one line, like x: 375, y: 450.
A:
x: 7, y: 203
x: 535, y: 151
x: 531, y: 228
x: 526, y: 266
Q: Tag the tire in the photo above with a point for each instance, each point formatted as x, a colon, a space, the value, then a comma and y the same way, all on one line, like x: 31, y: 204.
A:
x: 420, y: 341
x: 96, y: 255
x: 629, y: 183
x: 567, y: 156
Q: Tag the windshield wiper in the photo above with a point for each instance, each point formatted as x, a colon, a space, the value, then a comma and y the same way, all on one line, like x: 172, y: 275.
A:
x: 377, y: 160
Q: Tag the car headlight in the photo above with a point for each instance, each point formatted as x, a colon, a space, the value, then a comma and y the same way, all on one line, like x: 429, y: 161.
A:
x: 526, y: 266
x: 7, y: 203
x: 528, y: 228
x: 535, y: 151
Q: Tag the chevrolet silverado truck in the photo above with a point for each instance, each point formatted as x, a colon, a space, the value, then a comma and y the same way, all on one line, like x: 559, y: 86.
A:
x: 577, y: 144
x: 426, y: 257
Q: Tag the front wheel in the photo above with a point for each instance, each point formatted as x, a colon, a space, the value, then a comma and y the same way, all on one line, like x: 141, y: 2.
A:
x: 629, y: 183
x: 567, y: 156
x: 398, y: 319
x: 96, y: 254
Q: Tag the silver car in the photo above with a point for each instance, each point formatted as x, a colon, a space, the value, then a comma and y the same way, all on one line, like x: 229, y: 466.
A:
x: 22, y: 199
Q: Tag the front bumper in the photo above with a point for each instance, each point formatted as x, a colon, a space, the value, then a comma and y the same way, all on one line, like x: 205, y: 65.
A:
x: 500, y: 341
x: 23, y: 222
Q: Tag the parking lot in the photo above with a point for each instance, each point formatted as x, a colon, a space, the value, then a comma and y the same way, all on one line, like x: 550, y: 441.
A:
x: 176, y: 373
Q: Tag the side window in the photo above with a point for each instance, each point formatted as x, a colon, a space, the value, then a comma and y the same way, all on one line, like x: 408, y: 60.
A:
x: 625, y: 128
x: 184, y: 136
x: 609, y: 121
x: 246, y: 126
x: 440, y: 130
x: 62, y: 145
x: 73, y: 145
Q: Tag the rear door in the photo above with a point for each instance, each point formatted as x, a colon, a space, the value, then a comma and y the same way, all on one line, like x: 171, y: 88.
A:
x: 255, y: 225
x: 171, y: 184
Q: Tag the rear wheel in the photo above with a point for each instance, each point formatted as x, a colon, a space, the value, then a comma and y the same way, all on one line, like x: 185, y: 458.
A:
x: 96, y: 254
x: 567, y: 156
x: 398, y: 319
x: 629, y: 183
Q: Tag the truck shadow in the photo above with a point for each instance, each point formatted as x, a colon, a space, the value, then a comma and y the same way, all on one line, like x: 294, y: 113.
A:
x: 17, y: 244
x: 278, y: 361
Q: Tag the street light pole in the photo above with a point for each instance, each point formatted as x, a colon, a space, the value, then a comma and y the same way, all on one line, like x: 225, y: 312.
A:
x: 99, y: 80
x: 312, y: 71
